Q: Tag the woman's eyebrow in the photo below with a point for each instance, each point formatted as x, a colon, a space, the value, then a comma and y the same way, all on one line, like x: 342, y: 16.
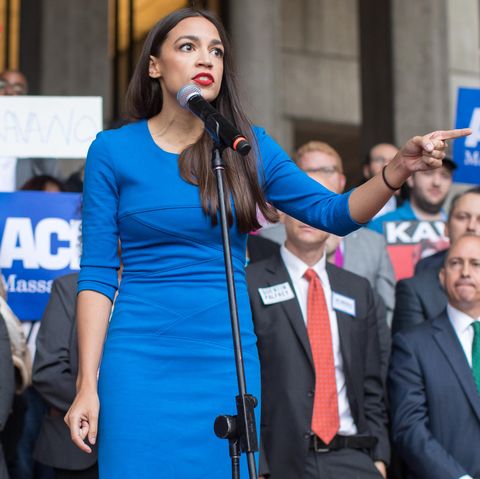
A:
x: 187, y: 37
x: 194, y: 38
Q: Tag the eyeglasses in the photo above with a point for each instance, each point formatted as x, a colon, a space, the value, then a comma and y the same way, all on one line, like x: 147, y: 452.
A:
x: 379, y: 160
x: 16, y: 88
x: 324, y: 171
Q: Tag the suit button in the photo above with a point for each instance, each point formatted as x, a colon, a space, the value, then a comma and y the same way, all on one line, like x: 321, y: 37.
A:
x: 307, y: 435
x: 310, y: 394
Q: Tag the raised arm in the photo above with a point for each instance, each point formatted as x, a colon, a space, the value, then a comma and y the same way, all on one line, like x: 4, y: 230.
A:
x: 293, y: 192
x: 418, y: 154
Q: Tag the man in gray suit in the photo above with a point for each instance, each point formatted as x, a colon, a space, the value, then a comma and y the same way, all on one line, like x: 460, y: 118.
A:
x: 14, y: 172
x: 54, y: 375
x: 363, y: 252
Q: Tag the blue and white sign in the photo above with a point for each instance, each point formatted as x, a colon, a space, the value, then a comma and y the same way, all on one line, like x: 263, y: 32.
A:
x: 39, y: 241
x: 466, y: 150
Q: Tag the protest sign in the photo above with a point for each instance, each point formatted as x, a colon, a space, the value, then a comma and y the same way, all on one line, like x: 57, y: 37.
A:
x: 48, y: 126
x: 39, y: 241
x: 467, y: 150
x: 410, y: 241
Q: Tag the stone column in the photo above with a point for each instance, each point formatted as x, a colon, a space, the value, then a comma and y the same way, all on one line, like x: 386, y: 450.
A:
x: 420, y: 66
x: 255, y: 33
x: 463, y: 54
x: 64, y: 51
x: 75, y: 59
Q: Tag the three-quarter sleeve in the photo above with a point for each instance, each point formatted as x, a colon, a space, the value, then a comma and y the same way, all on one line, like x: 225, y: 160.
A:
x: 292, y: 191
x: 100, y: 262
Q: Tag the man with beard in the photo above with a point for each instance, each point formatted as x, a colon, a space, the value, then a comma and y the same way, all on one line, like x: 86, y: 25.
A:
x: 422, y: 297
x: 428, y: 191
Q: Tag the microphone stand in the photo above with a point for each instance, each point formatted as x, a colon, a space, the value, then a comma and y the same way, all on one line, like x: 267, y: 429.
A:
x: 240, y: 429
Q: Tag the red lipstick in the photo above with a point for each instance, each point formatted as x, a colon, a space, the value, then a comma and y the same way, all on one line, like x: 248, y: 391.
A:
x: 203, y: 79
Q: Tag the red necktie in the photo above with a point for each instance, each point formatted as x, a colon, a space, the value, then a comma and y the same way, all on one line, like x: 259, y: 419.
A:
x: 325, y: 419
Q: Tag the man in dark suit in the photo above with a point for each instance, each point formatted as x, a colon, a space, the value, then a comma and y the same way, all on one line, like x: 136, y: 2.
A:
x: 363, y: 252
x: 434, y: 380
x: 54, y: 374
x: 323, y: 412
x: 422, y: 296
x: 7, y: 387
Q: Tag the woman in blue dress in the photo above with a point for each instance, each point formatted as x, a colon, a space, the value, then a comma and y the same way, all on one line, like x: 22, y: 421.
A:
x: 166, y: 364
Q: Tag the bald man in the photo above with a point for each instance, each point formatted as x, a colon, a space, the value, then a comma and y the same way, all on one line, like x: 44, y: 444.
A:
x: 434, y: 379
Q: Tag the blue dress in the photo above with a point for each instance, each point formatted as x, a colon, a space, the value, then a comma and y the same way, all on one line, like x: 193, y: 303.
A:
x: 168, y: 366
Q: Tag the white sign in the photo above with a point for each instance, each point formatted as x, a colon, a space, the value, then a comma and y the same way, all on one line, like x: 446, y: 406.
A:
x: 343, y: 303
x: 48, y: 126
x: 276, y: 294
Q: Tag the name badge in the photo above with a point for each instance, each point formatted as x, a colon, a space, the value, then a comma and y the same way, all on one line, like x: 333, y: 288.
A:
x: 276, y: 294
x: 343, y: 303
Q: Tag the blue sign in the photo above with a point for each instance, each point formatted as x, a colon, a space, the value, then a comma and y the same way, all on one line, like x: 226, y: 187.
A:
x: 39, y: 241
x: 466, y: 150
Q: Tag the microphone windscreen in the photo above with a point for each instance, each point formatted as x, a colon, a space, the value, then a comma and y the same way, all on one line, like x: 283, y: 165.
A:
x: 186, y: 92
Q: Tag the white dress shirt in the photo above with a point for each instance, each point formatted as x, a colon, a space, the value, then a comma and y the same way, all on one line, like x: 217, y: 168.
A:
x: 296, y: 269
x: 389, y: 206
x: 462, y: 324
x: 8, y: 173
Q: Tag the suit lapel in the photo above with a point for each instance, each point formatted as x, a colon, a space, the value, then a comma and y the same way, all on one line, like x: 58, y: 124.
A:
x: 448, y: 342
x: 344, y: 322
x: 276, y: 274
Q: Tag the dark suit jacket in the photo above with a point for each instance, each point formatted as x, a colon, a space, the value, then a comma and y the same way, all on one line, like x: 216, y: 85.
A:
x: 435, y: 261
x: 7, y: 387
x: 54, y: 374
x: 288, y: 378
x: 7, y: 375
x: 259, y: 248
x: 365, y: 253
x: 417, y: 299
x: 435, y: 405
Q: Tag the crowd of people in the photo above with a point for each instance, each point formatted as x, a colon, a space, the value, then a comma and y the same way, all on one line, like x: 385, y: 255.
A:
x: 355, y: 268
x: 362, y: 376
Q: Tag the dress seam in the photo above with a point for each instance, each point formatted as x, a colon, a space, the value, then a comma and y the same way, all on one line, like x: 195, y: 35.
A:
x: 176, y: 235
x: 156, y: 208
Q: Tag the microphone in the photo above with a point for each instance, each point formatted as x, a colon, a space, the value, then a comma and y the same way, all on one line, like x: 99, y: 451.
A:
x: 221, y: 130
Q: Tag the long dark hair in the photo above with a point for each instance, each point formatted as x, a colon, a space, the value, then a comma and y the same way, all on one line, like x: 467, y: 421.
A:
x: 145, y: 100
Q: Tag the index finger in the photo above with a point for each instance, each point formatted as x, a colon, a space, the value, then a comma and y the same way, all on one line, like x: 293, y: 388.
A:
x: 78, y: 441
x: 75, y: 434
x: 452, y: 134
